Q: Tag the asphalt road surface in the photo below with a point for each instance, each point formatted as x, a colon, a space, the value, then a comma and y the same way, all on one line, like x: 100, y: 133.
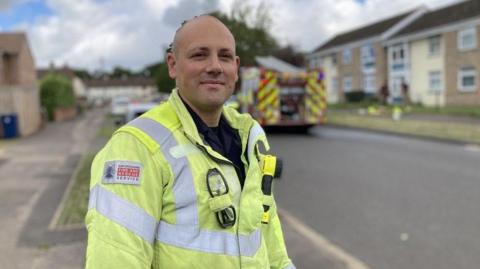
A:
x: 392, y: 202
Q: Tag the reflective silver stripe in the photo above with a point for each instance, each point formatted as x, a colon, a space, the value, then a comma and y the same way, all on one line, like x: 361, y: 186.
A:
x: 217, y: 242
x: 255, y: 133
x: 122, y: 212
x: 249, y: 244
x: 183, y: 187
x: 290, y: 266
x: 186, y: 233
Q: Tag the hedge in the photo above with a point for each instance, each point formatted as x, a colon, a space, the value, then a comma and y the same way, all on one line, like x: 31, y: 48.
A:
x: 56, y: 91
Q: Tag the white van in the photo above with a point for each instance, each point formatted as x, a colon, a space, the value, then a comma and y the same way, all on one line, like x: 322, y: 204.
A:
x: 119, y: 105
x: 136, y: 109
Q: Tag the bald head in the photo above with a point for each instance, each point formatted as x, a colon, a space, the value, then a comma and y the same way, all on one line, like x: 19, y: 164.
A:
x: 198, y: 24
x: 204, y: 65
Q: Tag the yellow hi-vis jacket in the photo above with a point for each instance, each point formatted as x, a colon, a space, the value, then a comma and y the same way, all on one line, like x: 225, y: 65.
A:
x: 150, y: 207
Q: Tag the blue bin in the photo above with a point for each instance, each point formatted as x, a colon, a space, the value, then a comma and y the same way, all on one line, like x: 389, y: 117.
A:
x: 9, y: 125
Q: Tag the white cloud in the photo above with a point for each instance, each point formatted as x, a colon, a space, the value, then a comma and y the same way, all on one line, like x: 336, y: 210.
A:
x: 93, y: 35
x: 133, y: 33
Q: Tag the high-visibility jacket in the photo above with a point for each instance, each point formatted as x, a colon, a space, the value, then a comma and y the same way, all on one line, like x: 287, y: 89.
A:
x: 150, y: 207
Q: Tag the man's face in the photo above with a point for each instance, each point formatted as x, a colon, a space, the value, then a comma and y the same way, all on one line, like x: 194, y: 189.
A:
x: 204, y: 64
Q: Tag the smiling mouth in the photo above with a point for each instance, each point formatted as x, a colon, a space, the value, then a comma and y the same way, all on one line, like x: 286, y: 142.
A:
x: 212, y: 82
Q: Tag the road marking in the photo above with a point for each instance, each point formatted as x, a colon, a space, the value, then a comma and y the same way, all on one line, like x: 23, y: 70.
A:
x: 472, y: 148
x: 321, y: 242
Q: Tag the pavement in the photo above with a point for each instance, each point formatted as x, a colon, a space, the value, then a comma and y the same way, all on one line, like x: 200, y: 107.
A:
x: 35, y: 172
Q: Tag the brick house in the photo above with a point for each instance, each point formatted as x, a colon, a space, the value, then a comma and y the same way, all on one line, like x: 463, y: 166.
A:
x: 19, y: 93
x: 442, y: 55
x: 433, y: 54
x: 356, y: 60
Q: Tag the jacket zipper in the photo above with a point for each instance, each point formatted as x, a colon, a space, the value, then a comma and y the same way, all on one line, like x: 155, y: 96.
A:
x: 202, y: 148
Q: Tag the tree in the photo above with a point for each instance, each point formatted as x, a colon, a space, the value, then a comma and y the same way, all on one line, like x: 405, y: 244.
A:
x: 120, y: 72
x: 290, y: 55
x: 159, y: 72
x: 56, y: 91
x: 82, y: 74
x: 250, y: 30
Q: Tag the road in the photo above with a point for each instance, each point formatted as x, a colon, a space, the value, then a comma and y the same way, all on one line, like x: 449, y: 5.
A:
x: 392, y: 202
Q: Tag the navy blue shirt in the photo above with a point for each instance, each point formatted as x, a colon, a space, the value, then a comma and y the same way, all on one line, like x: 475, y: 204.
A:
x: 223, y: 139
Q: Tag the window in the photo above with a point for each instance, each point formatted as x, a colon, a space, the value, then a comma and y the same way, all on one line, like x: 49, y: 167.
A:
x: 347, y: 56
x: 347, y: 84
x: 315, y: 62
x: 467, y: 79
x: 369, y: 84
x: 435, y: 81
x: 434, y: 45
x: 334, y: 59
x: 368, y: 56
x: 334, y: 85
x: 467, y: 39
x: 318, y: 62
x: 397, y: 56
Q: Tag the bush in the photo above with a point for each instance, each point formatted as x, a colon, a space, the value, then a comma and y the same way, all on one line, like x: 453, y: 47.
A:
x: 355, y: 96
x: 56, y: 91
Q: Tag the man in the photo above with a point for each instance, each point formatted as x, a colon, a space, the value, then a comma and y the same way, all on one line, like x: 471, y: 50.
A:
x: 181, y: 186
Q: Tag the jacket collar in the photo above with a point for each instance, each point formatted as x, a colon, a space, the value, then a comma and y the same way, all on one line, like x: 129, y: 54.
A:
x: 241, y: 122
x: 184, y: 117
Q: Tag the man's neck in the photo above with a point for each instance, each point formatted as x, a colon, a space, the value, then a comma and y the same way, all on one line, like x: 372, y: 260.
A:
x: 211, y: 117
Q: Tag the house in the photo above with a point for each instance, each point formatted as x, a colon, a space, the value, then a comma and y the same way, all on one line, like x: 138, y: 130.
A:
x: 19, y: 93
x: 439, y: 55
x: 356, y: 60
x: 101, y: 91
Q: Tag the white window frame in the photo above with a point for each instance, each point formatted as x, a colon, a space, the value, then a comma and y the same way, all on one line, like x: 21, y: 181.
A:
x: 465, y: 72
x: 369, y: 84
x: 435, y: 81
x: 334, y: 59
x: 434, y: 45
x: 367, y: 53
x: 314, y: 62
x: 463, y: 34
x: 347, y: 56
x: 334, y: 82
x: 398, y: 55
x: 347, y: 81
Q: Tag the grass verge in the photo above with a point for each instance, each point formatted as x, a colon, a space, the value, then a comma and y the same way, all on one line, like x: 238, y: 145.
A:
x: 469, y: 133
x: 464, y: 111
x: 75, y: 205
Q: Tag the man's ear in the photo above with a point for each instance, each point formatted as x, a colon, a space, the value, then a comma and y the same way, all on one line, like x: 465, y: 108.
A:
x: 172, y: 65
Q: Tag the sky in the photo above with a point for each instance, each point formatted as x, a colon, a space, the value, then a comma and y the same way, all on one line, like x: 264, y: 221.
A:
x: 101, y: 34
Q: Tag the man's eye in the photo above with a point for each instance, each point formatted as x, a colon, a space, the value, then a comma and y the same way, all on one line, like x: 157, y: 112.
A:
x: 197, y: 55
x: 226, y: 56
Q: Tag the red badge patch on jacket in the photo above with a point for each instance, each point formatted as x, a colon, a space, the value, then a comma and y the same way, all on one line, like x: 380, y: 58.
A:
x: 122, y: 172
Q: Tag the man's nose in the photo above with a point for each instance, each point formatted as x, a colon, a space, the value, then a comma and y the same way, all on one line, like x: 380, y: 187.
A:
x: 214, y: 65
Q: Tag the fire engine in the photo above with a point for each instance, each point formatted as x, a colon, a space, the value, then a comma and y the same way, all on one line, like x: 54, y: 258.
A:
x: 283, y: 99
